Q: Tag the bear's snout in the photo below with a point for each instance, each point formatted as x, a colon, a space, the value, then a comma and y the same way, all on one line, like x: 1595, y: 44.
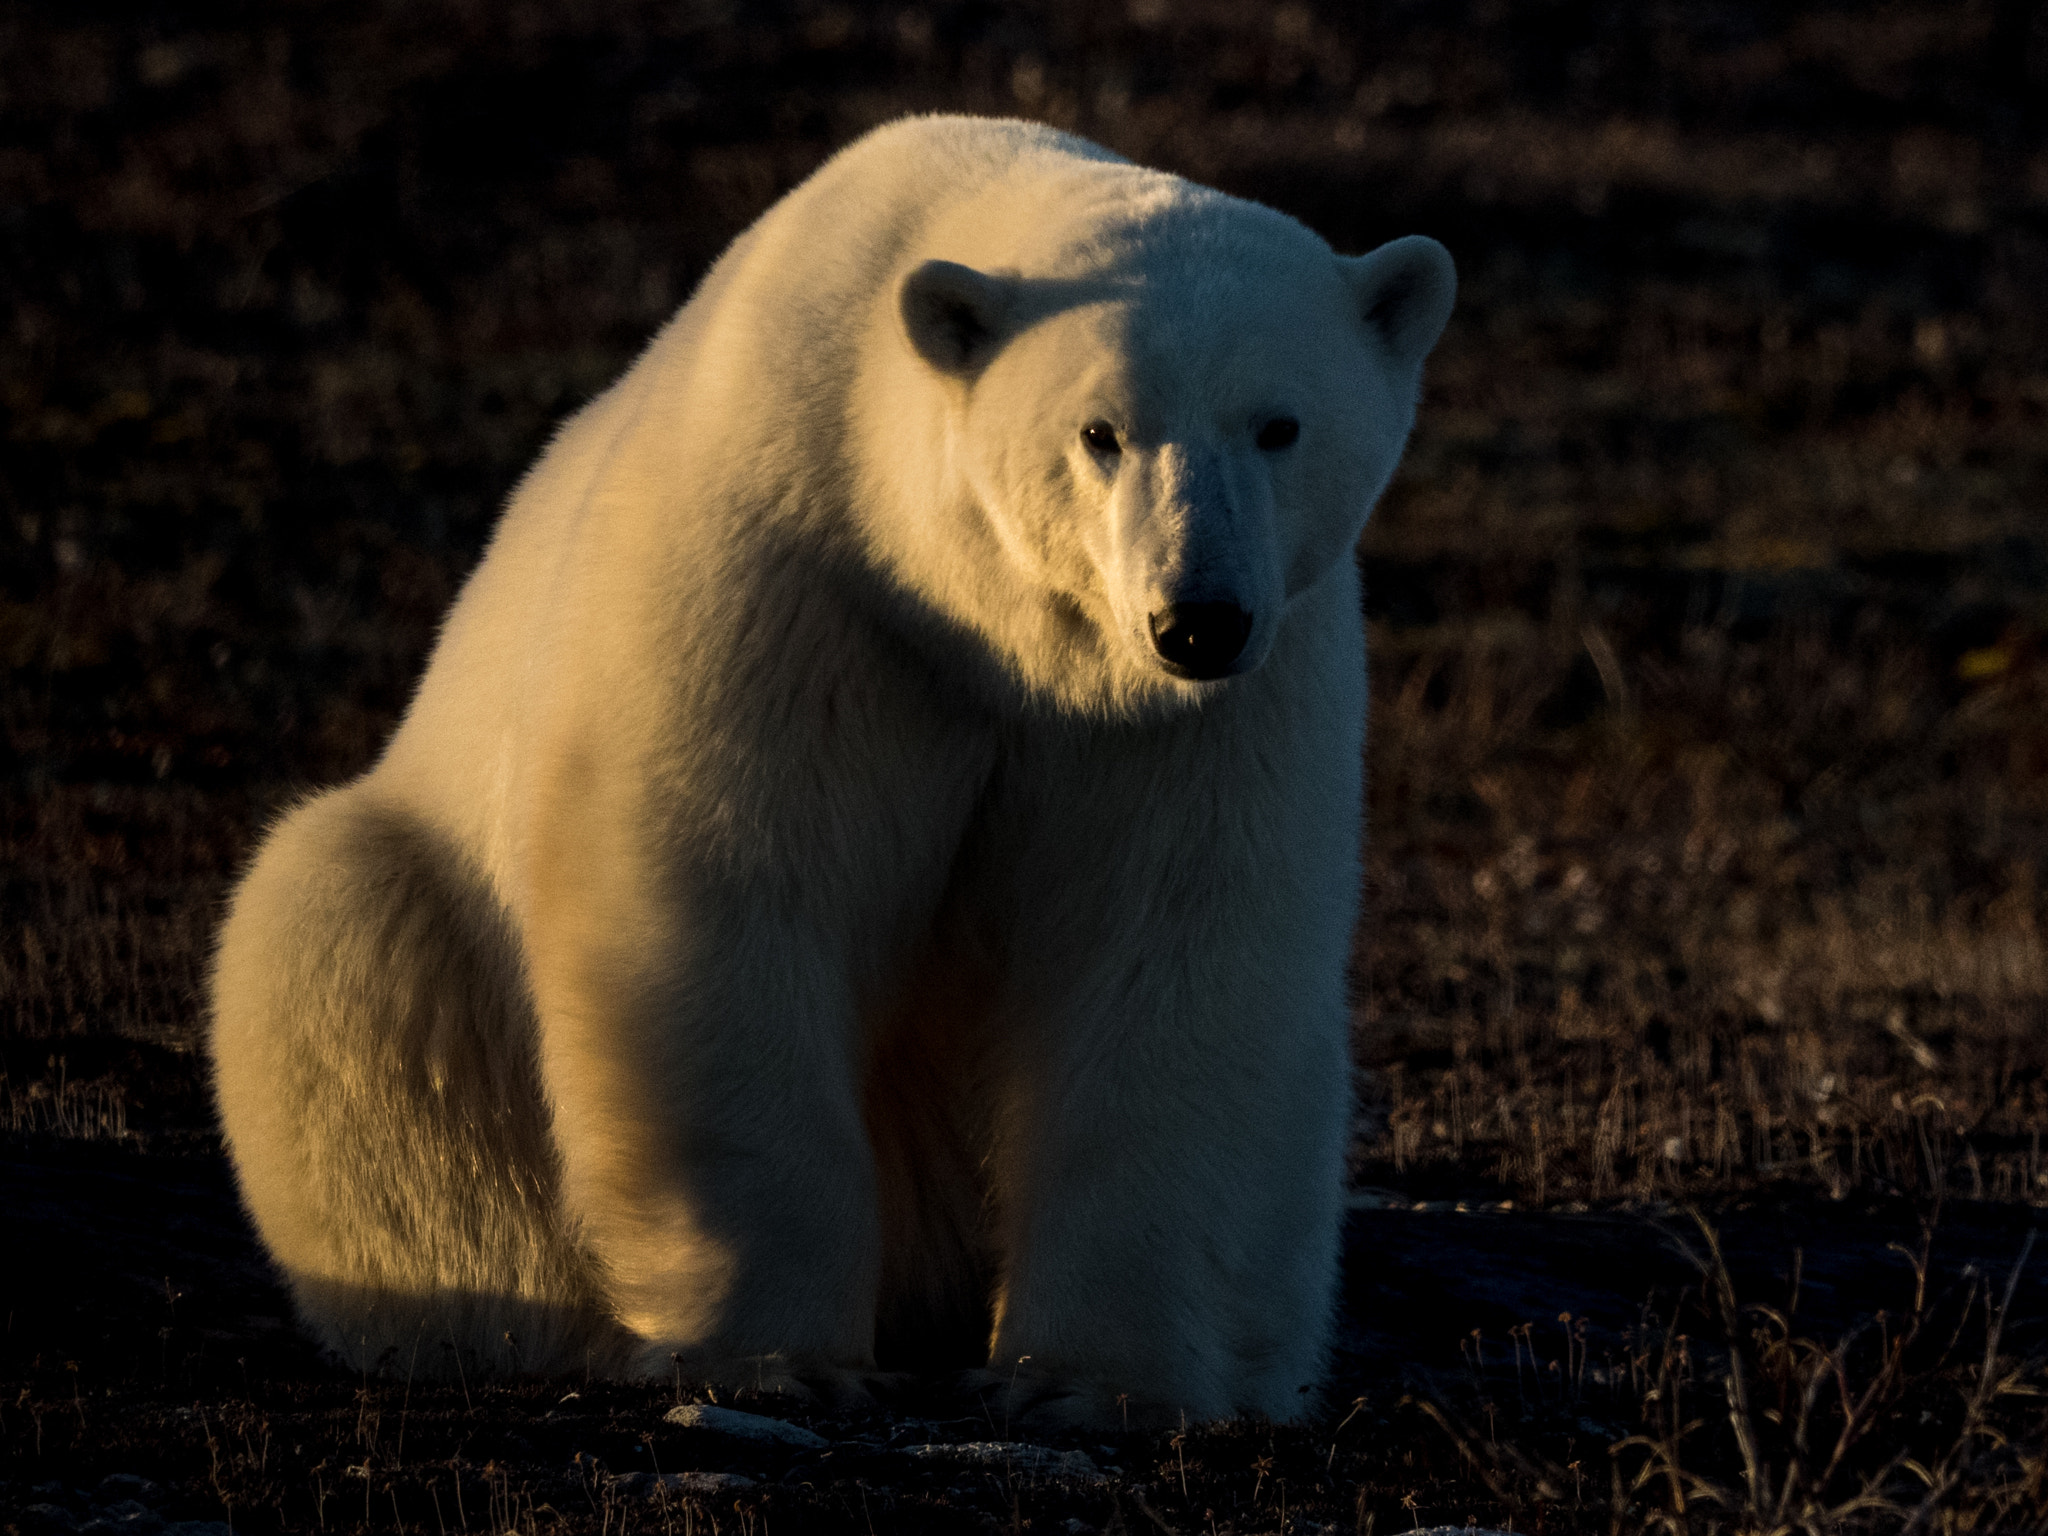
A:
x: 1201, y: 641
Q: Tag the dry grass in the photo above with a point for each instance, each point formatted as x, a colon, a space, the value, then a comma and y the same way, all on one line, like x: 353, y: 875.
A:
x: 1724, y: 1416
x: 1769, y: 909
x: 54, y: 1105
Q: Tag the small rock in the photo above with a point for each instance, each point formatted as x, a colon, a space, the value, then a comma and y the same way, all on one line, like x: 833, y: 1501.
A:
x: 48, y: 1518
x: 126, y: 1485
x: 1039, y: 1460
x: 743, y: 1426
x: 645, y: 1485
x: 1366, y: 1199
x: 130, y: 1517
x: 706, y: 1482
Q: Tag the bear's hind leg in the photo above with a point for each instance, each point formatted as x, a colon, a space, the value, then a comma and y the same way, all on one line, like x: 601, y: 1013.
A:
x: 373, y: 1057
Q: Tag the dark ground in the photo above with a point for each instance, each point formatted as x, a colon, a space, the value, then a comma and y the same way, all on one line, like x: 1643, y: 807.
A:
x: 1710, y: 764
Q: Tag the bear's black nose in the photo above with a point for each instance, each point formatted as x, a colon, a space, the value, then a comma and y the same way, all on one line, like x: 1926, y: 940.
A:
x: 1200, y: 640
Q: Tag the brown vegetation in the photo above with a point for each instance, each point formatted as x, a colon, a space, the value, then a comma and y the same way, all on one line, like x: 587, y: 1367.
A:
x: 1709, y: 757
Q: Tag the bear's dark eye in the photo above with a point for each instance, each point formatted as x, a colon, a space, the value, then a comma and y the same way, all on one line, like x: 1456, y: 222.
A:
x: 1101, y: 436
x: 1279, y: 433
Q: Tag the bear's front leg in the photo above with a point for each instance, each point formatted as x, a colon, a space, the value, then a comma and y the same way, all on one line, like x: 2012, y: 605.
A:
x: 1173, y: 1232
x: 702, y: 940
x: 1170, y: 1175
x: 714, y: 1162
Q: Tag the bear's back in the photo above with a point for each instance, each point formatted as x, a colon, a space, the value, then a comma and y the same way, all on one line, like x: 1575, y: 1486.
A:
x: 733, y: 426
x: 739, y: 398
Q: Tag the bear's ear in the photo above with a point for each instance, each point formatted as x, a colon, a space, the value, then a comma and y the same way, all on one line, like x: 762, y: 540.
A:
x: 1404, y: 290
x: 956, y: 318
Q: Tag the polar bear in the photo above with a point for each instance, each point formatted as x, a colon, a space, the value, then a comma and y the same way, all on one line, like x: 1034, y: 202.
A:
x: 866, y: 880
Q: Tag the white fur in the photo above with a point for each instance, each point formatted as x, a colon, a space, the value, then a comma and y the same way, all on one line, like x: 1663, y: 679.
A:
x: 799, y: 914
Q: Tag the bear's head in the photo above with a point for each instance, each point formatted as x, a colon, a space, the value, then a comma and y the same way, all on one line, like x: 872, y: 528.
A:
x: 1152, y: 419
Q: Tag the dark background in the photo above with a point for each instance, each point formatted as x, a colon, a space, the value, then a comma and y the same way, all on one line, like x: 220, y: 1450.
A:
x: 1709, y: 759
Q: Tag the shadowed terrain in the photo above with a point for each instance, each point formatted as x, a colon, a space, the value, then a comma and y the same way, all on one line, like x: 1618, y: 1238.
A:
x: 1709, y: 757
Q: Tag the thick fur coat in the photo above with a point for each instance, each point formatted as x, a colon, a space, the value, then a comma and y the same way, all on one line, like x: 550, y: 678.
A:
x: 867, y: 878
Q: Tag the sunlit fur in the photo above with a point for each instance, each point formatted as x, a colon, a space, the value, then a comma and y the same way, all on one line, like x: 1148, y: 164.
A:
x: 798, y: 916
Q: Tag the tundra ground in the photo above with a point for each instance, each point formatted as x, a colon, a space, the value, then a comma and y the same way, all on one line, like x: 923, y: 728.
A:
x: 1709, y: 759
